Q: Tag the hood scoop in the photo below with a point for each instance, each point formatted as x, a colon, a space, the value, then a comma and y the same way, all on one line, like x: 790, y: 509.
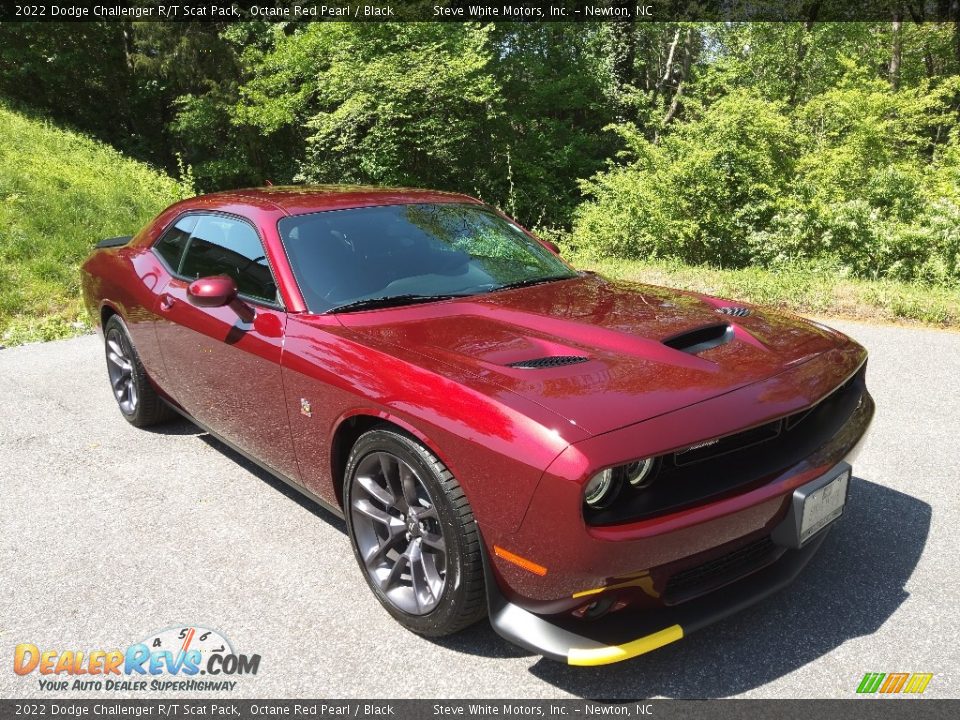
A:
x: 734, y: 311
x: 701, y: 339
x: 548, y: 362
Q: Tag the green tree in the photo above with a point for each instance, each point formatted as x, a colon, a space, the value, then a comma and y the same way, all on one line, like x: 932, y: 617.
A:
x: 555, y: 88
x: 77, y: 73
x: 406, y: 104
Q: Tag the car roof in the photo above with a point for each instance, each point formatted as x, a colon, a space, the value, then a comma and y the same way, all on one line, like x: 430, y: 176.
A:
x: 301, y: 199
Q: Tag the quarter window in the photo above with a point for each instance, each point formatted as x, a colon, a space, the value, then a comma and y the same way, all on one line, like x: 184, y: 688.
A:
x: 170, y: 246
x: 223, y: 246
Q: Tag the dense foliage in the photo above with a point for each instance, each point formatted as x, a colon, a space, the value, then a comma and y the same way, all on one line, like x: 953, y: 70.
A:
x: 832, y: 145
x: 852, y: 178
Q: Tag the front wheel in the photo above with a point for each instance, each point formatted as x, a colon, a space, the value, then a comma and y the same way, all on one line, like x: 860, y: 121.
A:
x: 413, y: 534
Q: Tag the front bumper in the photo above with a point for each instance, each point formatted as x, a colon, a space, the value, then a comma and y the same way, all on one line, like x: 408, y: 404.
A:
x: 638, y: 561
x: 624, y: 635
x: 550, y: 629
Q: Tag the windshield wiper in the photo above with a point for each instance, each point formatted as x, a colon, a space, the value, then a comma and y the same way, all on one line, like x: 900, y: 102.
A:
x: 531, y: 281
x: 390, y: 301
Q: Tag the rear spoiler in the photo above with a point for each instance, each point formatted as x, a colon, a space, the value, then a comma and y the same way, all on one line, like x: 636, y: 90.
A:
x: 115, y: 241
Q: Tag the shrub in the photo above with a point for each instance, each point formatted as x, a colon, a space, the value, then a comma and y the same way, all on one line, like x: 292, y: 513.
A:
x: 696, y: 195
x: 843, y: 180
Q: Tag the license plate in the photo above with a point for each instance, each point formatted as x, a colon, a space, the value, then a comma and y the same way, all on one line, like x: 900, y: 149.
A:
x: 823, y: 506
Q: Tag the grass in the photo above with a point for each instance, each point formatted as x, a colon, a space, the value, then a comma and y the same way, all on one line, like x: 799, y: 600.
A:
x: 60, y: 192
x: 805, y: 291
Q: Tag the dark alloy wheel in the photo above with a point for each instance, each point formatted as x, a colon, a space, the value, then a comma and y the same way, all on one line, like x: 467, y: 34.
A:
x: 138, y: 401
x: 398, y: 533
x: 120, y: 370
x: 413, y: 534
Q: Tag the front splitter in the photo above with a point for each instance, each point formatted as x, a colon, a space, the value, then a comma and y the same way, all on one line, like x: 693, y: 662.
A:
x: 623, y: 635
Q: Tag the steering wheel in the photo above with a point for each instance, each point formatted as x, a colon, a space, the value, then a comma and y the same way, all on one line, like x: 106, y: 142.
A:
x: 241, y: 271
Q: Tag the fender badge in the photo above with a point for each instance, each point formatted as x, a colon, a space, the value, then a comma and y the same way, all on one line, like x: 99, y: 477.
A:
x: 305, y: 407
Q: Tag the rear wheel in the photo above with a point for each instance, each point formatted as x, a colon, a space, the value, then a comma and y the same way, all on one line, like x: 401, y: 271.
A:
x: 138, y: 401
x: 413, y: 534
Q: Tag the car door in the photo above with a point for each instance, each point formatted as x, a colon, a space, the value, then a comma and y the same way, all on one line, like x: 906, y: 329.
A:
x: 224, y: 362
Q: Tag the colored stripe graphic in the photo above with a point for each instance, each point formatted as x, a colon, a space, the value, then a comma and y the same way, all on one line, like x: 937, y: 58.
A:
x: 918, y: 682
x: 870, y: 682
x: 894, y: 683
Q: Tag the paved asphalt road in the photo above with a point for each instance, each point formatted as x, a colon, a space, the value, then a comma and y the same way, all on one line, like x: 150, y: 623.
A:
x: 109, y: 533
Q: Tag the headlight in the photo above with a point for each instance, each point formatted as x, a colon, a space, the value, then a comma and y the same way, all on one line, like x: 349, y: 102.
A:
x: 639, y: 473
x: 603, y: 487
x: 600, y: 488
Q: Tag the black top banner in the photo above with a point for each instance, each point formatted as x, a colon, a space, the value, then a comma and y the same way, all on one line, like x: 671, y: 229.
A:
x: 464, y: 11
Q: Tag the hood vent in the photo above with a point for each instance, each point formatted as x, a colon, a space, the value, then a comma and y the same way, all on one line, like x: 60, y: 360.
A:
x: 548, y: 362
x: 701, y: 339
x: 734, y: 311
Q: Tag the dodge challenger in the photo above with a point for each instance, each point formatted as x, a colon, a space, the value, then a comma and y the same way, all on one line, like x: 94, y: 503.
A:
x: 598, y: 467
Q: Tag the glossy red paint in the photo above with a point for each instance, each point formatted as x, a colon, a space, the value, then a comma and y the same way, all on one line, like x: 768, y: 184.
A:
x: 522, y: 443
x: 212, y: 292
x: 618, y: 327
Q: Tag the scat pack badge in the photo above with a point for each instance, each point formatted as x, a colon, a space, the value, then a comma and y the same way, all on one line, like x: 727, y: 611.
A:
x: 171, y: 659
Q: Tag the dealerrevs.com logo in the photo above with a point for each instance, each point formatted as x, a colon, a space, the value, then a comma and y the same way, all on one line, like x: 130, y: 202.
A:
x: 187, y: 658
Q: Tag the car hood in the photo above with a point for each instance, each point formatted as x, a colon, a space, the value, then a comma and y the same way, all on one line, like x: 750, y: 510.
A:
x: 641, y: 350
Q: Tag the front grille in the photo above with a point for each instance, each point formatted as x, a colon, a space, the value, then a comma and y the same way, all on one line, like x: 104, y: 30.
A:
x: 720, y: 571
x: 548, y: 362
x: 736, y: 463
x: 755, y: 436
x: 731, y: 443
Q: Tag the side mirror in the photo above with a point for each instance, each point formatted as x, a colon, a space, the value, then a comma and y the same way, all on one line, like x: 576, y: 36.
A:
x: 212, y: 292
x: 553, y: 247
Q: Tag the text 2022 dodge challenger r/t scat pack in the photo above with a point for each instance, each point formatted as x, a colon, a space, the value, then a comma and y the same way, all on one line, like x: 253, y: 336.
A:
x: 600, y: 467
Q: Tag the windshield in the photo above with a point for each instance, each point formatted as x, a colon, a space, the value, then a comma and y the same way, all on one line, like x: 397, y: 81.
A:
x: 343, y: 257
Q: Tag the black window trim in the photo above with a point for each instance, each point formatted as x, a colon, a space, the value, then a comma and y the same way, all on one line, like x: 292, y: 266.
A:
x: 231, y: 216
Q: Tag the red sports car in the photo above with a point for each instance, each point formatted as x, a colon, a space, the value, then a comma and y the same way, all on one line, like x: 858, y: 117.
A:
x: 586, y: 462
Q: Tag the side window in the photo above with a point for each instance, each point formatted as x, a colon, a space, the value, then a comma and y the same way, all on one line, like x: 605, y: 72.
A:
x: 222, y: 246
x: 171, y: 245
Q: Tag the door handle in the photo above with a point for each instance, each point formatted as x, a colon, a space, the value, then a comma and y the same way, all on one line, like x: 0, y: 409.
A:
x: 166, y: 301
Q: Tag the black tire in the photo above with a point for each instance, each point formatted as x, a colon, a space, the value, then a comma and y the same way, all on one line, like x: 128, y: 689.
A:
x: 147, y: 408
x: 462, y: 600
